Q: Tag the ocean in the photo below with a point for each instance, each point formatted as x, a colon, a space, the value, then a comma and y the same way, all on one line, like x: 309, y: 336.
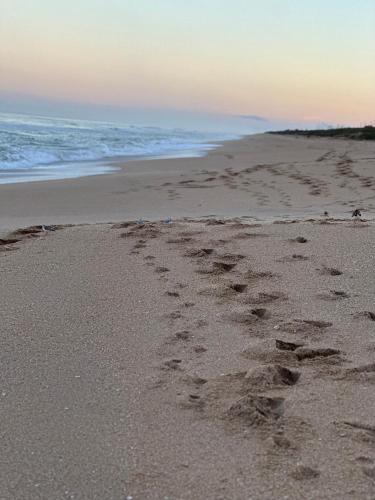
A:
x: 36, y: 148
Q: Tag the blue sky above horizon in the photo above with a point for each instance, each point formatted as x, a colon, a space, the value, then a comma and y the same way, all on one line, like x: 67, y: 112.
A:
x: 296, y: 60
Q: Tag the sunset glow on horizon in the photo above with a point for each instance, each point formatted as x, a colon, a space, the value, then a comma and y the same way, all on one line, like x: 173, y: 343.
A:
x: 288, y: 59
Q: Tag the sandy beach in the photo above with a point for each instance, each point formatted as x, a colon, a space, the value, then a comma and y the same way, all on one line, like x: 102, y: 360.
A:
x: 227, y: 354
x: 260, y: 176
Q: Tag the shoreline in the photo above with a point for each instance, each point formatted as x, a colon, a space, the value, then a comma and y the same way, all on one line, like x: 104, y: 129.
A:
x: 259, y: 176
x: 76, y: 169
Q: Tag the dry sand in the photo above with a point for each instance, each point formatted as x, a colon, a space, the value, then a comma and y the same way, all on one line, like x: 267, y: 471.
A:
x: 261, y: 176
x: 210, y: 358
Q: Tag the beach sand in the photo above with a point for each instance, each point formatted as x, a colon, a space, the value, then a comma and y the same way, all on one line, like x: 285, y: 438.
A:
x: 261, y: 176
x: 228, y: 354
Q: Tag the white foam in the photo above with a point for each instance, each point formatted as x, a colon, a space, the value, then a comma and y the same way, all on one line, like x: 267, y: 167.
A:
x: 27, y: 143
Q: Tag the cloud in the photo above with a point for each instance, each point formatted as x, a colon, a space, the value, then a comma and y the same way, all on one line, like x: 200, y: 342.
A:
x: 253, y: 117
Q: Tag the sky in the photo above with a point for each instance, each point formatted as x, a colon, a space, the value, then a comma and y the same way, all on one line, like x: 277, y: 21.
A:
x: 296, y: 60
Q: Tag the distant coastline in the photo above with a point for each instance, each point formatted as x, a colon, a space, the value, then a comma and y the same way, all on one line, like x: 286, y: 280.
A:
x: 366, y: 133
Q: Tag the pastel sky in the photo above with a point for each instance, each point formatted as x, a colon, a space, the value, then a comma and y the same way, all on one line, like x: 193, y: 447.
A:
x: 292, y: 59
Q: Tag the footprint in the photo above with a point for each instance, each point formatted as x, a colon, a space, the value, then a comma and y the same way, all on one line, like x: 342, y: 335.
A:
x: 194, y: 380
x: 256, y: 410
x: 180, y: 241
x: 303, y: 472
x: 217, y: 268
x: 293, y: 258
x: 365, y: 314
x: 330, y: 271
x: 243, y: 236
x: 161, y: 269
x: 190, y: 401
x: 172, y: 364
x: 8, y: 241
x: 333, y: 295
x: 199, y: 349
x: 184, y: 335
x: 258, y: 275
x: 247, y: 317
x: 233, y: 257
x: 287, y: 346
x: 303, y: 326
x: 299, y: 239
x: 309, y: 353
x: 238, y: 287
x: 261, y: 313
x: 362, y: 373
x: 265, y: 298
x: 360, y: 431
x: 199, y: 252
x: 266, y: 376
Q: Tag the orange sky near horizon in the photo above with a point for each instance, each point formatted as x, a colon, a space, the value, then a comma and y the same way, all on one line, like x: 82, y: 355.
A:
x: 302, y: 61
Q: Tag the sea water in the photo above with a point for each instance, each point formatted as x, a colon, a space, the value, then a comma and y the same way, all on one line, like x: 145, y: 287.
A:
x: 42, y: 148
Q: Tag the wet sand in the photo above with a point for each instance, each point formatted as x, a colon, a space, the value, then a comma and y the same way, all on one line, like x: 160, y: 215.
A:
x: 261, y: 176
x: 212, y: 357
